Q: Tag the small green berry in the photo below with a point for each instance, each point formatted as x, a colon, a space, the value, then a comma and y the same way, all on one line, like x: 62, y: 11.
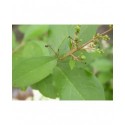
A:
x: 83, y: 57
x: 110, y: 26
x: 77, y: 28
x: 98, y: 51
x: 102, y: 51
x: 106, y: 37
x: 98, y: 34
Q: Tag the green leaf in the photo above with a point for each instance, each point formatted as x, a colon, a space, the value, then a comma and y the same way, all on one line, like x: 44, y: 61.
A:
x: 77, y: 84
x: 72, y: 63
x: 23, y: 28
x: 46, y: 87
x: 87, y: 32
x: 83, y: 57
x: 30, y: 49
x: 102, y: 65
x: 104, y: 77
x: 59, y: 37
x: 32, y: 70
x: 34, y: 31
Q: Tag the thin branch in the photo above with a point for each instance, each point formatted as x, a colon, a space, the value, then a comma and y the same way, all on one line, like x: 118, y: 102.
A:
x: 75, y: 57
x: 18, y: 47
x: 52, y: 50
x: 95, y: 38
x: 79, y: 48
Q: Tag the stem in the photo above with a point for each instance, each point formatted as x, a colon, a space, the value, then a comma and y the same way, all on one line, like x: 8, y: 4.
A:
x: 95, y: 37
x: 18, y: 47
x: 75, y: 57
x: 53, y: 50
x: 77, y: 49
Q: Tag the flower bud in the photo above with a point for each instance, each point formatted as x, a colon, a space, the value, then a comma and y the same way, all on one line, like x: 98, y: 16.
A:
x: 83, y: 57
x: 77, y: 28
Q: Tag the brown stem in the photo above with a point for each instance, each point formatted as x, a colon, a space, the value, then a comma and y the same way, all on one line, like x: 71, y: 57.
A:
x: 52, y: 50
x: 95, y: 38
x: 75, y: 57
x: 77, y: 49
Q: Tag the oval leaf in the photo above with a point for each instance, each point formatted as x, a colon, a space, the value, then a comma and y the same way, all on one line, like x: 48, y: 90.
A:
x: 29, y: 50
x: 77, y: 84
x: 46, y: 87
x: 34, y: 31
x: 32, y: 70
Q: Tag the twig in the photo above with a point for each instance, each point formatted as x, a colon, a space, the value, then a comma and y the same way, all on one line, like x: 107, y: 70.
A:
x: 75, y: 57
x: 18, y: 47
x: 52, y: 50
x: 80, y: 47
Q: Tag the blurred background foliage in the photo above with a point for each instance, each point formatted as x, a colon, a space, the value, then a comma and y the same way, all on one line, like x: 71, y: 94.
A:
x: 100, y: 64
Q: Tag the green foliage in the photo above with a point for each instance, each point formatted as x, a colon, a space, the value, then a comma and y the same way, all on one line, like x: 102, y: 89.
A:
x: 103, y: 68
x: 32, y: 70
x: 46, y: 87
x: 37, y: 62
x: 102, y: 65
x: 33, y: 31
x: 59, y: 35
x: 29, y: 50
x: 87, y: 32
x: 77, y: 84
x: 72, y: 63
x: 104, y: 77
x: 58, y: 38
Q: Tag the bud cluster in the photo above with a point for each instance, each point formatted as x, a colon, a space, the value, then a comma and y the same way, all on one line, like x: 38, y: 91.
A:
x: 93, y: 46
x: 75, y: 41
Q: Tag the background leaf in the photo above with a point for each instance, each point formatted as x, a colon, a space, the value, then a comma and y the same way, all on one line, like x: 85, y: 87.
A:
x: 77, y: 84
x: 59, y: 35
x: 105, y: 77
x: 24, y: 28
x: 87, y: 32
x: 33, y: 31
x: 46, y: 87
x: 32, y: 70
x: 30, y: 49
x: 102, y: 65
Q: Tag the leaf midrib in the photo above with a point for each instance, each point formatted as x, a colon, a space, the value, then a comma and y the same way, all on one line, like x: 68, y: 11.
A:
x: 71, y: 83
